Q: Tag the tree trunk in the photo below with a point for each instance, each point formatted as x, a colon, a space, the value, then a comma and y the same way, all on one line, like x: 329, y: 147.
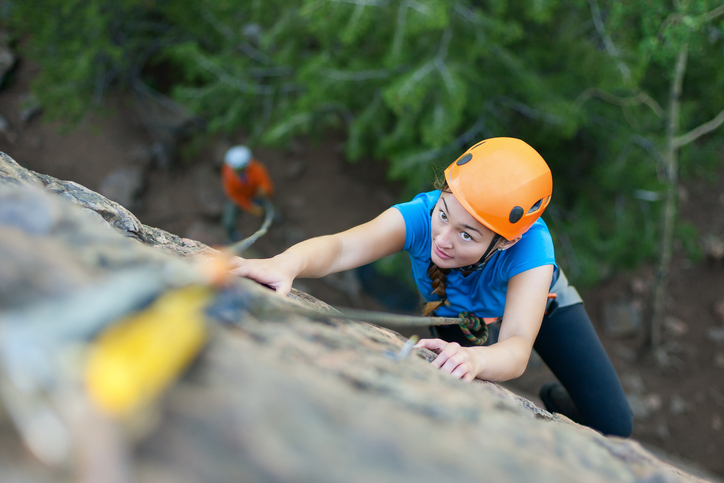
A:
x: 670, y: 208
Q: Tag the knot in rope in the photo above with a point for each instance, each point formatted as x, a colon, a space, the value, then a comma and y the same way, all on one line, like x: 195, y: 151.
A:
x: 472, y: 323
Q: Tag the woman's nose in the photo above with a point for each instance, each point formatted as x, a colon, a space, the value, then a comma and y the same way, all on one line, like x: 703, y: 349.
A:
x: 444, y: 238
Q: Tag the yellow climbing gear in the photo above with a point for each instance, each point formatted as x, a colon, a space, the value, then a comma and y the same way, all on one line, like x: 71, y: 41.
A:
x: 134, y: 360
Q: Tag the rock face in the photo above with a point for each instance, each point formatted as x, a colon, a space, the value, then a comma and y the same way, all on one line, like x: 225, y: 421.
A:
x: 272, y: 396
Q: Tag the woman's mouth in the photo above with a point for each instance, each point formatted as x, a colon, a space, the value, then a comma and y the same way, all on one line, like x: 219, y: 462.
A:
x: 442, y: 255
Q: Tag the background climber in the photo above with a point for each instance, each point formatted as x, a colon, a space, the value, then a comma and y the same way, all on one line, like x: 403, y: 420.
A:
x: 245, y: 182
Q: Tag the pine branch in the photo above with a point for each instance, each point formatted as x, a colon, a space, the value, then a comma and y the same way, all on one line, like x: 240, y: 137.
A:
x: 420, y: 7
x: 714, y: 13
x: 607, y: 42
x: 364, y: 3
x: 278, y: 71
x: 446, y: 77
x: 530, y: 112
x: 356, y: 16
x: 218, y: 25
x: 466, y: 13
x: 419, y: 74
x: 638, y: 99
x: 431, y: 65
x: 359, y: 76
x: 695, y: 133
x: 229, y: 35
x: 462, y: 140
x: 230, y: 80
x: 254, y: 53
x: 653, y: 149
x: 399, y: 29
x: 444, y: 45
x: 440, y: 61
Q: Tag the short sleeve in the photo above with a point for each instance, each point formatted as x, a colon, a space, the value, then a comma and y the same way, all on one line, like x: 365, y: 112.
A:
x: 416, y: 214
x: 533, y: 250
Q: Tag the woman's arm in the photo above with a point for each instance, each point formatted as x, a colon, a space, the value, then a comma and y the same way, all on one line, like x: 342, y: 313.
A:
x: 507, y: 359
x: 323, y: 255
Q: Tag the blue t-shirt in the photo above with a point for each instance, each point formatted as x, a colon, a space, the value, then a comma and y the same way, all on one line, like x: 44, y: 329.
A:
x: 483, y: 291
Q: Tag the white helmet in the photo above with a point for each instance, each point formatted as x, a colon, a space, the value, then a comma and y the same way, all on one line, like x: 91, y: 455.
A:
x: 237, y: 157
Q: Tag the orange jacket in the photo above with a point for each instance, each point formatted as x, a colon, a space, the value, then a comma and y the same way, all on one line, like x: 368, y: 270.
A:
x: 251, y: 182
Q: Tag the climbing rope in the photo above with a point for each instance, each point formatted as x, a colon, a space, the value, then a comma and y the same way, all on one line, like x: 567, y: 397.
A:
x: 472, y: 323
x: 239, y: 247
x: 469, y: 323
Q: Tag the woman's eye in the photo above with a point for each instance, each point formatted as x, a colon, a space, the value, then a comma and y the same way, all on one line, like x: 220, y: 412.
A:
x: 443, y: 216
x: 466, y: 236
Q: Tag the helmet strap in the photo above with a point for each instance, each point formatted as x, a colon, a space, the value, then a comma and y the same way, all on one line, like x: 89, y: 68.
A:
x: 480, y: 264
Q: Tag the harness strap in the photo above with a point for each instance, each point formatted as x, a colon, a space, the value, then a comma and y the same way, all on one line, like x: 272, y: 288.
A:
x: 562, y: 294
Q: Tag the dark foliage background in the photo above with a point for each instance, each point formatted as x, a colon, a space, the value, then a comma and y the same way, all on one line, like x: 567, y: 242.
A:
x: 413, y: 83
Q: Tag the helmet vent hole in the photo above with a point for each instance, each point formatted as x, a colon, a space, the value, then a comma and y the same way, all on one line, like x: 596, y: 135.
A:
x: 464, y: 159
x: 536, y: 206
x: 516, y: 214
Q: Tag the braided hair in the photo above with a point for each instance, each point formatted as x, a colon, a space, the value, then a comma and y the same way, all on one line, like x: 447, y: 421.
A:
x: 439, y: 278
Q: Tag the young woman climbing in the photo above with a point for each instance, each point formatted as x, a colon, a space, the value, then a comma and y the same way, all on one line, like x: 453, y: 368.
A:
x: 479, y: 250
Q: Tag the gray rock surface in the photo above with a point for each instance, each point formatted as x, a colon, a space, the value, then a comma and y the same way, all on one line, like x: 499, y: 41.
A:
x: 273, y: 396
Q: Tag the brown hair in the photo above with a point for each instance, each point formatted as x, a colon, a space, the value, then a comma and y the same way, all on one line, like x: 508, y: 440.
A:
x: 441, y: 184
x: 439, y: 278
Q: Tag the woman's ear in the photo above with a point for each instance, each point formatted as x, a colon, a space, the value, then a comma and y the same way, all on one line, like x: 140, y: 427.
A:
x: 509, y: 243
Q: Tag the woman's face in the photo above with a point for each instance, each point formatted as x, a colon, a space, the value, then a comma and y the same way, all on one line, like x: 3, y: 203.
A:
x: 458, y: 239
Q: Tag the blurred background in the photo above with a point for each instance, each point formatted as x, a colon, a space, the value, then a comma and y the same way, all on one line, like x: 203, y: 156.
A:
x: 354, y: 106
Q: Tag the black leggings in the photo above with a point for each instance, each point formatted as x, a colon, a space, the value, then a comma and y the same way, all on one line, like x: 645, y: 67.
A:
x: 570, y: 347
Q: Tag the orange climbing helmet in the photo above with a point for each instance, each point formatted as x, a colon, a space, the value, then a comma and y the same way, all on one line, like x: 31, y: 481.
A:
x: 503, y: 183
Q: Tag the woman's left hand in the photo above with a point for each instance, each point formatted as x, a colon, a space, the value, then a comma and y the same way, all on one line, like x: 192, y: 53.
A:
x: 452, y: 358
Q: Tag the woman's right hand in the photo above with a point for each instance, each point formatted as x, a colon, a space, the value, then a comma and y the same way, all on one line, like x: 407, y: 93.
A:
x: 320, y: 256
x: 462, y: 362
x: 273, y: 272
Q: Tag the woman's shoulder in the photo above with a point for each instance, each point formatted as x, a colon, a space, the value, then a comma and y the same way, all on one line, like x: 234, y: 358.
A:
x: 416, y: 214
x: 422, y: 202
x: 535, y: 248
x: 537, y: 233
